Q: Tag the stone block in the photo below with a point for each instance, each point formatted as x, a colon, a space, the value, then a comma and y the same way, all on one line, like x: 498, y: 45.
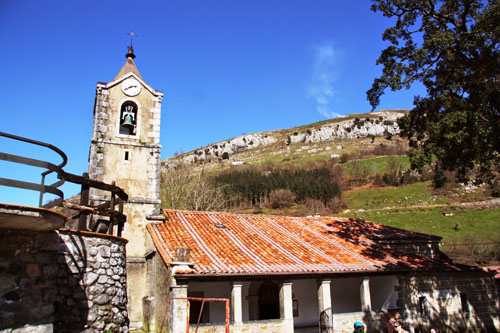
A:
x: 42, y: 311
x: 6, y: 283
x: 97, y: 289
x: 101, y: 299
x: 32, y: 270
x: 50, y: 271
x: 105, y: 252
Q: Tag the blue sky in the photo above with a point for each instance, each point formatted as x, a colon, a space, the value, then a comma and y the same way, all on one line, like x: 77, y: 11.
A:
x: 225, y: 67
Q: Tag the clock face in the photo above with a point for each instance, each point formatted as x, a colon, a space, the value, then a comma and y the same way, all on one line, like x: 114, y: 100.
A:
x: 131, y: 87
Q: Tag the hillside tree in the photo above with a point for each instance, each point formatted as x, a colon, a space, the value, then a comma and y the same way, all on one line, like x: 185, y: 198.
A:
x: 182, y: 190
x: 453, y: 48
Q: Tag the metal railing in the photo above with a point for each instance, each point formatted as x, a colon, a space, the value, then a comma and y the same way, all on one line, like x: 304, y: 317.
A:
x: 117, y: 197
x: 42, y: 188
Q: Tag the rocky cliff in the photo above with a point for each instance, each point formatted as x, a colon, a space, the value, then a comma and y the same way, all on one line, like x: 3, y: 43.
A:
x: 373, y: 124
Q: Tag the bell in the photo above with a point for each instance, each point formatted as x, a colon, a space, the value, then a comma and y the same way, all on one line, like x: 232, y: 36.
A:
x: 127, y: 122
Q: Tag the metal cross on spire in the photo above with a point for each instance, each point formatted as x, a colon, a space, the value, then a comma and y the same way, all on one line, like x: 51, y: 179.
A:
x: 132, y: 35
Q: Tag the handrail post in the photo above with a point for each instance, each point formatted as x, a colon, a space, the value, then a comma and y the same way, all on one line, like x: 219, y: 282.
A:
x: 42, y: 191
x: 120, y: 223
x: 112, y: 208
x: 84, y: 200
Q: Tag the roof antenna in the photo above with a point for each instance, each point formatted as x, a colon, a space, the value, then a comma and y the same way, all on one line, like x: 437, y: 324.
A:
x: 130, y: 53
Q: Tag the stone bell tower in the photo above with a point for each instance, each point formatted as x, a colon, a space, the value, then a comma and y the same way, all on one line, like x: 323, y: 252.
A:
x: 125, y: 148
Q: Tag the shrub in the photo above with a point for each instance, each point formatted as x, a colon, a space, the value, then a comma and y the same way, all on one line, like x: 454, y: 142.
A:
x: 439, y: 178
x: 495, y: 189
x: 394, y: 173
x: 344, y: 158
x: 314, y: 206
x: 336, y: 205
x: 225, y: 155
x: 281, y: 198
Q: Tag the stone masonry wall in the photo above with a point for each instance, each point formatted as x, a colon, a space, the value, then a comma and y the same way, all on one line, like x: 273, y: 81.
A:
x: 62, y: 281
x: 422, y: 248
x: 437, y: 301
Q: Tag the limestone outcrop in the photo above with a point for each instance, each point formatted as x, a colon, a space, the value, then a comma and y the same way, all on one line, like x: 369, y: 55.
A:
x: 380, y: 123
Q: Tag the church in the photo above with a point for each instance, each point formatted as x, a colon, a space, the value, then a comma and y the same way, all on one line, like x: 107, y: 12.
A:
x: 220, y: 272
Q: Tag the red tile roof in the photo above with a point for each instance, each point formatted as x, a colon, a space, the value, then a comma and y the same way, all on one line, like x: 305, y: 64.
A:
x: 229, y: 244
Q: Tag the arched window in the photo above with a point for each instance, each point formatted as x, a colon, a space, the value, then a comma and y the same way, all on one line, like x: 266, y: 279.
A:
x: 128, y: 118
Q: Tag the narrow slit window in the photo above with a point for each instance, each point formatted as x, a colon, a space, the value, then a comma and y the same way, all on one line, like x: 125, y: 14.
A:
x: 126, y: 156
x: 422, y: 306
x: 465, y: 304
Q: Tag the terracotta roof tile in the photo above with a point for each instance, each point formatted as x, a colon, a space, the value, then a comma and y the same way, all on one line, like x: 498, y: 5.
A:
x: 223, y: 243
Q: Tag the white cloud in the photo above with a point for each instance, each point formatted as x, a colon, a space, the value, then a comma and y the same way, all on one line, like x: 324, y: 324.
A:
x: 326, y: 58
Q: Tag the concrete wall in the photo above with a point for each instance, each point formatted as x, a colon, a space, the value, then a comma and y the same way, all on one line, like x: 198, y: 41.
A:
x: 62, y: 281
x: 345, y: 295
x: 306, y: 293
x: 383, y: 292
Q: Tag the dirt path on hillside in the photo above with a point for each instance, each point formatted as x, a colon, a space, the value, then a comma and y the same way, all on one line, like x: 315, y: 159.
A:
x: 486, y: 204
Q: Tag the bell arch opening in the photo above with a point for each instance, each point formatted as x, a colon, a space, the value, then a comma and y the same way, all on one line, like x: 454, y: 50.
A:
x: 128, y: 118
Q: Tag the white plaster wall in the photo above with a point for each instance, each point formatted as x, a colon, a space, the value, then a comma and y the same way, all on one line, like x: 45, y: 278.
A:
x: 306, y: 292
x: 345, y: 295
x: 383, y: 293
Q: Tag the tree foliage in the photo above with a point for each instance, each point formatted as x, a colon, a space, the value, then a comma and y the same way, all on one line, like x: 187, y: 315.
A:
x: 453, y: 48
x: 252, y: 184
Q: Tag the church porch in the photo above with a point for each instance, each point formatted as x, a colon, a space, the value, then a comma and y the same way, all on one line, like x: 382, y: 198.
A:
x: 276, y: 305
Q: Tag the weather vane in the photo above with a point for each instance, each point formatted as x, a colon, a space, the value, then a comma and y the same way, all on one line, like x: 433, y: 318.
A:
x: 132, y: 35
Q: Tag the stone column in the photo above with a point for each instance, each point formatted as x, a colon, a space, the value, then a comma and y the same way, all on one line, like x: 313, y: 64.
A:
x: 178, y: 313
x: 236, y: 306
x: 364, y: 291
x: 286, y: 307
x: 325, y: 307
